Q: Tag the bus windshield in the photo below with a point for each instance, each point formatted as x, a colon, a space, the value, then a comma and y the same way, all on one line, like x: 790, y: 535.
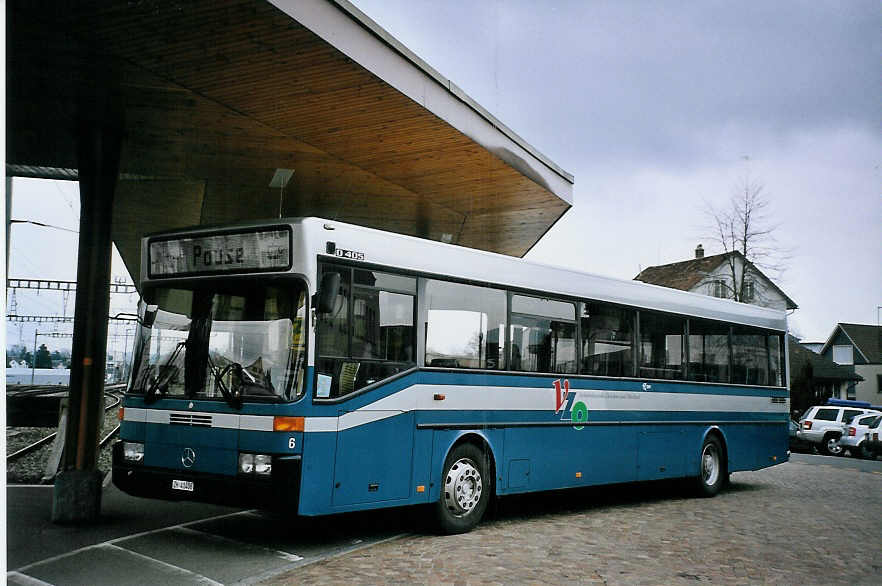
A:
x: 222, y: 340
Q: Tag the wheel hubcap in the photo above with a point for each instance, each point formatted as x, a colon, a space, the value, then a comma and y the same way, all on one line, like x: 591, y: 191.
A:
x: 462, y: 488
x: 833, y: 446
x: 710, y: 465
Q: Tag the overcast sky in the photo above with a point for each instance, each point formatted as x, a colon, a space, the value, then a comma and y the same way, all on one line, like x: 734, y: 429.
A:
x: 659, y: 107
x: 40, y: 252
x: 655, y: 108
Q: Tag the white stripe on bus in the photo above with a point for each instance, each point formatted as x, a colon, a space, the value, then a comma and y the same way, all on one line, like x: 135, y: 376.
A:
x: 218, y: 420
x: 421, y: 397
x: 482, y: 398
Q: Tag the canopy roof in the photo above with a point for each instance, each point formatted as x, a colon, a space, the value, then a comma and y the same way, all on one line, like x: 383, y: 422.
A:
x: 215, y: 97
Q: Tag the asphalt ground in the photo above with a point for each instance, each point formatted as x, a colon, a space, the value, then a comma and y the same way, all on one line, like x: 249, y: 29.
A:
x: 814, y: 520
x: 150, y: 542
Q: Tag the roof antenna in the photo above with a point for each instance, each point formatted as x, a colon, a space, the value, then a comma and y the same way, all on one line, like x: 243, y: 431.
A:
x: 280, y: 179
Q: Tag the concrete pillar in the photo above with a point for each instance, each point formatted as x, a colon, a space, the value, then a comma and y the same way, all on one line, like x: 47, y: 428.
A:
x: 77, y: 494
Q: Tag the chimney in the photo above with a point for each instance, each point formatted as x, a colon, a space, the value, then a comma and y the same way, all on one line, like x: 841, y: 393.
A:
x: 699, y: 251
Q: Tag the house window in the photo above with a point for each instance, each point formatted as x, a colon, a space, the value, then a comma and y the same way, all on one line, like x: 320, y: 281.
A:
x: 748, y: 293
x: 843, y: 354
x: 719, y: 289
x: 879, y: 383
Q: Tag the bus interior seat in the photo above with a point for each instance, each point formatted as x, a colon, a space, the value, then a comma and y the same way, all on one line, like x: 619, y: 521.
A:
x: 348, y: 374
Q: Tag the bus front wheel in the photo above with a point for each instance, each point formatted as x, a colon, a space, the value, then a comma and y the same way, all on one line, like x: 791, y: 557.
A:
x: 465, y: 489
x: 712, y: 472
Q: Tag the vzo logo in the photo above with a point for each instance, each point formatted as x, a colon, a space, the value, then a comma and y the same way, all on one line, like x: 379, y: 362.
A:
x: 566, y: 404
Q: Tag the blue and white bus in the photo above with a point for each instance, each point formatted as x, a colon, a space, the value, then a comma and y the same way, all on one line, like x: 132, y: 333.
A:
x: 321, y: 367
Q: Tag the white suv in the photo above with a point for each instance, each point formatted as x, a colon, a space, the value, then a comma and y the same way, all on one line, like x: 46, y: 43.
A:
x: 854, y: 435
x: 822, y: 426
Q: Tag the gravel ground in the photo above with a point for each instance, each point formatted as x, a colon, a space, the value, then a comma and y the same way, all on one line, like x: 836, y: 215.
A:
x: 29, y: 468
x: 795, y: 523
x: 19, y: 437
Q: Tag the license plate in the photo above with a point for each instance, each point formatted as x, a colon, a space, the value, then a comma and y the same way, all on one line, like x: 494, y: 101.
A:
x: 182, y: 485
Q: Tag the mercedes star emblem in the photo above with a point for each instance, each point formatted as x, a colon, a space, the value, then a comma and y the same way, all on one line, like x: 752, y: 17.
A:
x: 188, y: 457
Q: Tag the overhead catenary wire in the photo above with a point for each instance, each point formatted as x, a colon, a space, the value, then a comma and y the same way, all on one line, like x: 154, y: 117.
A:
x: 44, y: 225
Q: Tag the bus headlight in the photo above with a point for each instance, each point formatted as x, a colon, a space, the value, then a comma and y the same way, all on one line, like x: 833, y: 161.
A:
x: 259, y: 464
x: 133, y: 452
x: 263, y: 464
x: 246, y: 463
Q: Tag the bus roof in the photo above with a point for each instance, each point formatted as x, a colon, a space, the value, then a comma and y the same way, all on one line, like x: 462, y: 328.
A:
x: 448, y: 260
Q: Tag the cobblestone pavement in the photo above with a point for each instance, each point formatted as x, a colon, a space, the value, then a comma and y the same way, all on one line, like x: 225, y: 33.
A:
x: 796, y: 523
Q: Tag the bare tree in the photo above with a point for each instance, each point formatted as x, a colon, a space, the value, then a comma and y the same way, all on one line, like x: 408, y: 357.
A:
x: 745, y: 233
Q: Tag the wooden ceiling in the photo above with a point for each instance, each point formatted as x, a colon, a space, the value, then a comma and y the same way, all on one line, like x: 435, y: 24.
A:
x: 217, y: 95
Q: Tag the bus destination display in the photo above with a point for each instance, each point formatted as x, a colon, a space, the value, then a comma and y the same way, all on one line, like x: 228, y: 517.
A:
x: 263, y: 250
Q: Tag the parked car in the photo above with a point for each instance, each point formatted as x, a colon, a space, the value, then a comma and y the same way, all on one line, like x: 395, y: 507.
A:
x: 873, y: 442
x: 821, y: 426
x: 797, y: 444
x: 854, y: 435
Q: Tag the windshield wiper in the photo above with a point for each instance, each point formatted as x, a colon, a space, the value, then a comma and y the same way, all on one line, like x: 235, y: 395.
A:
x: 164, y: 375
x: 261, y: 381
x: 232, y: 397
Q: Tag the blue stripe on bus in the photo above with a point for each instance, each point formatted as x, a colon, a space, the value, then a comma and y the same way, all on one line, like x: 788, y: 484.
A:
x: 596, y: 416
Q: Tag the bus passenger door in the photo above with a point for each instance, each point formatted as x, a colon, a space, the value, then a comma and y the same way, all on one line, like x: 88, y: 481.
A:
x: 374, y: 457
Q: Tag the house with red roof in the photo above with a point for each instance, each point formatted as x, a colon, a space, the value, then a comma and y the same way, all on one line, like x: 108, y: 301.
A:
x: 714, y: 275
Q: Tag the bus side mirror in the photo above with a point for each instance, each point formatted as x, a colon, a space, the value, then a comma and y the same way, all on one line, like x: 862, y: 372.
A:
x: 327, y: 293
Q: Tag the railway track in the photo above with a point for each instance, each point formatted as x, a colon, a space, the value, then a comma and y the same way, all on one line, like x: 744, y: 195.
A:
x: 112, y: 391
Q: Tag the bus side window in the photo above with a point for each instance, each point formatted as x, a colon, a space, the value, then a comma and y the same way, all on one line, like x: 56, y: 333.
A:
x: 466, y: 325
x: 607, y: 340
x: 370, y: 333
x: 776, y: 356
x: 750, y: 364
x: 543, y: 335
x: 332, y: 328
x: 708, y: 351
x: 661, y: 345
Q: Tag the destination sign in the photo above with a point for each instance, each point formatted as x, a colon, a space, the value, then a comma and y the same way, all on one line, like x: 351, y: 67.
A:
x: 229, y: 252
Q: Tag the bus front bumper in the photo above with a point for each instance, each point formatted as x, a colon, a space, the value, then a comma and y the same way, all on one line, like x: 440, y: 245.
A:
x: 281, y: 491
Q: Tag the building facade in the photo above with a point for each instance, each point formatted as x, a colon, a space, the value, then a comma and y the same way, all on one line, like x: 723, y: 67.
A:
x: 815, y: 378
x: 858, y: 346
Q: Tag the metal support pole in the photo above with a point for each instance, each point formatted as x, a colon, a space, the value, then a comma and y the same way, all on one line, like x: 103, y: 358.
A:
x: 34, y: 357
x: 77, y: 496
x: 125, y: 368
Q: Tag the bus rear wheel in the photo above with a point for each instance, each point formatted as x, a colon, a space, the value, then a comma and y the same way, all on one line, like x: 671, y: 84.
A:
x: 465, y: 489
x: 712, y: 473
